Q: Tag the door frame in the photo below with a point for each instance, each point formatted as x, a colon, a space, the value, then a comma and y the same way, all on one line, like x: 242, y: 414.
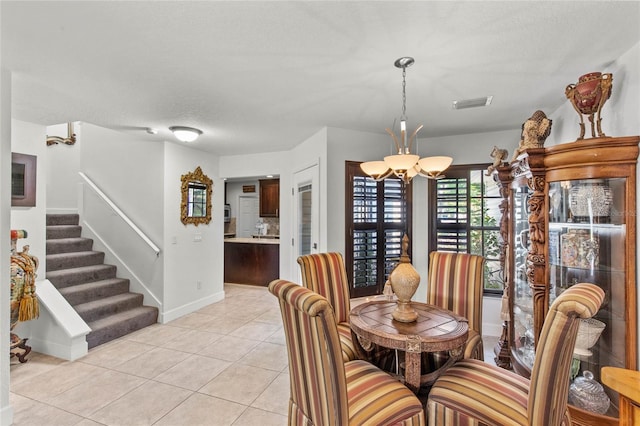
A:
x: 302, y: 177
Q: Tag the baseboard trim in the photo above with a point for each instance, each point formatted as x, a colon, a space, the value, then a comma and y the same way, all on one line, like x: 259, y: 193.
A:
x: 6, y: 415
x: 165, y: 317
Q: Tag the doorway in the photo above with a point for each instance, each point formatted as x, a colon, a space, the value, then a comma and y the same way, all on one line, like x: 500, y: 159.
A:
x: 306, y: 214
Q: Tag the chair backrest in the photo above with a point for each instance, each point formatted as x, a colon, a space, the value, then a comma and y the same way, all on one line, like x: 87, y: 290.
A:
x: 316, y: 370
x: 550, y: 375
x: 456, y: 283
x: 325, y: 274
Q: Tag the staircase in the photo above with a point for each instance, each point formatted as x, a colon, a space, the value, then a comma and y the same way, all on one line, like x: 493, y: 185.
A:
x: 101, y: 299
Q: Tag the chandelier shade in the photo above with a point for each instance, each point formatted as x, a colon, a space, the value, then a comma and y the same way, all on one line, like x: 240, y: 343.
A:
x: 404, y: 164
x: 378, y: 170
x: 432, y: 167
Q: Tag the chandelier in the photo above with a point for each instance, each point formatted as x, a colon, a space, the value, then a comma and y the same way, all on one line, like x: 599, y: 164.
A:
x: 404, y: 164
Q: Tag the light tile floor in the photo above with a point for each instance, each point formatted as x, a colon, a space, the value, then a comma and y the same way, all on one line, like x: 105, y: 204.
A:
x: 225, y: 364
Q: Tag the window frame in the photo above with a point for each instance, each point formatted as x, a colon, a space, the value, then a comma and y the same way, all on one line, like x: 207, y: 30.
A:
x: 464, y: 171
x: 353, y: 170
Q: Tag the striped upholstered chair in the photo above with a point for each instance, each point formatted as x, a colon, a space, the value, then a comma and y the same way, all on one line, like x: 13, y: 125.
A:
x: 325, y: 390
x: 475, y: 393
x: 325, y: 274
x: 456, y: 283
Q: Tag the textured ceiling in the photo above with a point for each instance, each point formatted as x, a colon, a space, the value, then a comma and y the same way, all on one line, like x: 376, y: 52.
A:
x: 263, y: 76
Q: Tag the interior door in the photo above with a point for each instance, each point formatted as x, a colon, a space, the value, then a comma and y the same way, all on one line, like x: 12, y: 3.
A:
x: 306, y: 215
x: 247, y: 216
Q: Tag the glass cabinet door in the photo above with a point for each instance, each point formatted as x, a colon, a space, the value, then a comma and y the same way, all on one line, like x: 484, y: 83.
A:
x: 523, y: 343
x: 587, y: 243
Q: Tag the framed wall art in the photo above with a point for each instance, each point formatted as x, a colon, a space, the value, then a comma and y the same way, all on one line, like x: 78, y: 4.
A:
x: 23, y: 180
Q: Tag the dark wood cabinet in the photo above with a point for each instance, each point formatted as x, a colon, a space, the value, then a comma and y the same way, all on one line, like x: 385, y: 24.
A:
x: 570, y: 217
x: 270, y: 198
x: 251, y: 263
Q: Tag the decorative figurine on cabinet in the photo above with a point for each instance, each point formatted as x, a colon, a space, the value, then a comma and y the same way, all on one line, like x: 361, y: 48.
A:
x: 588, y: 96
x: 24, y: 303
x: 535, y: 132
x: 499, y: 155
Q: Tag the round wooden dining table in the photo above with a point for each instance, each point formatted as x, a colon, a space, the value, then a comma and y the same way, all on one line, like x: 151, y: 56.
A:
x: 435, y: 330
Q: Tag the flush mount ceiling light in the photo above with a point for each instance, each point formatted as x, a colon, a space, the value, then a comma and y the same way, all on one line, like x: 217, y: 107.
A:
x: 404, y: 164
x: 185, y: 134
x: 472, y: 103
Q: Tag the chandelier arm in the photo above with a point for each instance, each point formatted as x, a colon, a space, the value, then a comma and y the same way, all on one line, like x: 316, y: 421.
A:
x: 413, y: 137
x: 383, y: 176
x: 395, y: 139
x: 434, y: 175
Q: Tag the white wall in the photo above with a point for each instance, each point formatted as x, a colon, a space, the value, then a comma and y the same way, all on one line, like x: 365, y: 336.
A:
x: 129, y: 171
x: 29, y: 138
x: 62, y: 176
x: 6, y: 412
x: 620, y: 114
x: 314, y: 151
x: 187, y: 261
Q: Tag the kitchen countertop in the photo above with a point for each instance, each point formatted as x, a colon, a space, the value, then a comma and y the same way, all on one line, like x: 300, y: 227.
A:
x: 252, y: 240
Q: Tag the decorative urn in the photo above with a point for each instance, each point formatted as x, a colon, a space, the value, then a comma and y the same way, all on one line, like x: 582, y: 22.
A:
x: 404, y: 281
x: 588, y: 96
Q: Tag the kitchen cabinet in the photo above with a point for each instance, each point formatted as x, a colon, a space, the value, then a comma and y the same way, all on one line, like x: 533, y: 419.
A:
x: 570, y: 218
x: 269, y: 197
x: 251, y: 261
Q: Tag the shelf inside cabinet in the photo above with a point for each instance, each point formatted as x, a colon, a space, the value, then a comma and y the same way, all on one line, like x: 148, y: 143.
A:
x: 581, y: 225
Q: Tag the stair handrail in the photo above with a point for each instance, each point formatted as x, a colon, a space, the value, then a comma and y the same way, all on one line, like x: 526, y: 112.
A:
x: 120, y: 213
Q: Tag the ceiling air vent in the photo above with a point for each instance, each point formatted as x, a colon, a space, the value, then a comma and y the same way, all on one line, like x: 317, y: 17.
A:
x: 472, y: 103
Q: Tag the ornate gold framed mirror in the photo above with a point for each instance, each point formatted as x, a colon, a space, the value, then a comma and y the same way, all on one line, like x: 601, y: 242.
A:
x: 195, y: 207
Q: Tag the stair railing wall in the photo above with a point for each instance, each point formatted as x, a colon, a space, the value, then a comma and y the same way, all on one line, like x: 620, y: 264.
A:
x: 120, y: 213
x: 124, y: 244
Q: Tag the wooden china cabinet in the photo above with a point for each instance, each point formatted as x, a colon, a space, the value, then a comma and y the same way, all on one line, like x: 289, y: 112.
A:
x: 570, y: 217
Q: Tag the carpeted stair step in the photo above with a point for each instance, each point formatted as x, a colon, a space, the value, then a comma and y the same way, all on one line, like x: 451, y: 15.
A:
x: 63, y: 231
x: 100, y: 308
x: 69, y: 245
x: 55, y: 262
x: 85, y: 274
x: 63, y: 219
x: 83, y: 293
x: 92, y: 288
x: 118, y: 325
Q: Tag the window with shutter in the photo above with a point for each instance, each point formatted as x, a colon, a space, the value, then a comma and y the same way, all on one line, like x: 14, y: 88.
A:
x: 465, y: 218
x: 378, y: 214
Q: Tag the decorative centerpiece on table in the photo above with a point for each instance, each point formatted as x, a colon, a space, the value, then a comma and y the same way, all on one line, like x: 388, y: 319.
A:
x: 24, y: 303
x: 404, y: 281
x: 588, y: 96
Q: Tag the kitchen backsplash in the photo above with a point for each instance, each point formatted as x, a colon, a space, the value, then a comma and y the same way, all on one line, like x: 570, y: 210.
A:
x: 230, y: 227
x: 274, y: 225
x: 273, y: 228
